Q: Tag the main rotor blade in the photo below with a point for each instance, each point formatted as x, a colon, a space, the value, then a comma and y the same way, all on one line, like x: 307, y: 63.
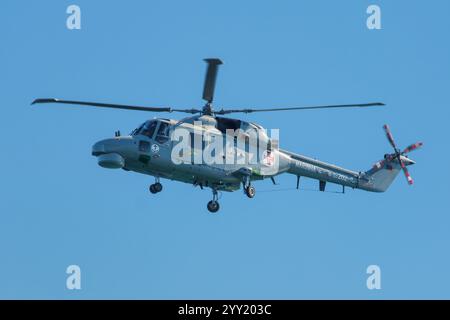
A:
x: 210, y: 79
x: 375, y: 104
x: 412, y: 147
x: 389, y: 136
x: 114, y: 106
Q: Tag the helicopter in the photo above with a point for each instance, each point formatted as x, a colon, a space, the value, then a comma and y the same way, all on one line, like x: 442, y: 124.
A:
x: 209, y: 150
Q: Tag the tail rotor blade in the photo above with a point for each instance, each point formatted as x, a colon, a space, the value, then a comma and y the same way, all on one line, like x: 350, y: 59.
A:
x: 412, y: 147
x: 406, y: 172
x: 389, y: 136
x: 210, y: 79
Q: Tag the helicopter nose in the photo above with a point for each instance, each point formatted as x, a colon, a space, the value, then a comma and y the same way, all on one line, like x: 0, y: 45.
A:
x: 98, y: 149
x: 108, y: 153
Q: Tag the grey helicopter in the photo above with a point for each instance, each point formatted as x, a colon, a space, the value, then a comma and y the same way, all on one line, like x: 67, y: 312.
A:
x: 209, y: 150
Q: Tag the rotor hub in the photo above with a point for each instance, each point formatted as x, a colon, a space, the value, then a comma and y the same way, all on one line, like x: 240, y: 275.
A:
x: 208, y: 109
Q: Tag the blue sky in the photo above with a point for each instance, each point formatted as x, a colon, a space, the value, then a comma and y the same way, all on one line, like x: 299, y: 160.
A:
x: 58, y: 207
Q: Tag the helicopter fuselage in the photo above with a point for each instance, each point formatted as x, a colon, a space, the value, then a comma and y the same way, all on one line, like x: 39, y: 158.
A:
x: 152, y: 149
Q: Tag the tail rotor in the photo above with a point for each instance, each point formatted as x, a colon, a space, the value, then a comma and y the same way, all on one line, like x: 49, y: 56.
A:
x: 398, y: 155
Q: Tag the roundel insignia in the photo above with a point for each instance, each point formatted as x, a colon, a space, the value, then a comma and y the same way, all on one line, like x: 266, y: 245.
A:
x: 155, y: 148
x: 268, y: 158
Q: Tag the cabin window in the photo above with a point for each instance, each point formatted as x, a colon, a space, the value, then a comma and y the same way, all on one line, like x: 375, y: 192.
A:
x: 226, y: 123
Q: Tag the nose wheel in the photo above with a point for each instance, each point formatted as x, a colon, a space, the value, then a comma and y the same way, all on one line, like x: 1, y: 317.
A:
x: 213, y: 205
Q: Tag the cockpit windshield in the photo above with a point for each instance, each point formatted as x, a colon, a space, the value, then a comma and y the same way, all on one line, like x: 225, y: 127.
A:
x: 146, y: 129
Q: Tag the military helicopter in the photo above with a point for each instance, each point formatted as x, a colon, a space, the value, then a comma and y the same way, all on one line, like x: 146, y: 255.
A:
x: 154, y: 149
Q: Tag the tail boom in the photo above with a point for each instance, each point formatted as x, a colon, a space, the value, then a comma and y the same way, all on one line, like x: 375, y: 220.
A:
x: 374, y: 180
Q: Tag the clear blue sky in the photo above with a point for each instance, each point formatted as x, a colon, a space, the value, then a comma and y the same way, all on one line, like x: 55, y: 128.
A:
x: 58, y: 207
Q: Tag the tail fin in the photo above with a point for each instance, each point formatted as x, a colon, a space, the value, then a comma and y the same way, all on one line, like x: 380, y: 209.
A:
x: 381, y: 176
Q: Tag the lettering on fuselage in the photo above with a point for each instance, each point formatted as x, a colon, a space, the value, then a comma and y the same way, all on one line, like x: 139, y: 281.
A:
x: 316, y: 170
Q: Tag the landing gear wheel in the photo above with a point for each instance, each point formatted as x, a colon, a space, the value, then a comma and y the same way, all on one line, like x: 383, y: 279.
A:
x: 213, y: 206
x: 155, y: 188
x: 158, y: 187
x: 250, y: 191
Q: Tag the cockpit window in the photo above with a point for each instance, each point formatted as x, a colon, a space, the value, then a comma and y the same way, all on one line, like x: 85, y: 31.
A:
x: 135, y: 131
x: 147, y: 129
x: 163, y: 133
